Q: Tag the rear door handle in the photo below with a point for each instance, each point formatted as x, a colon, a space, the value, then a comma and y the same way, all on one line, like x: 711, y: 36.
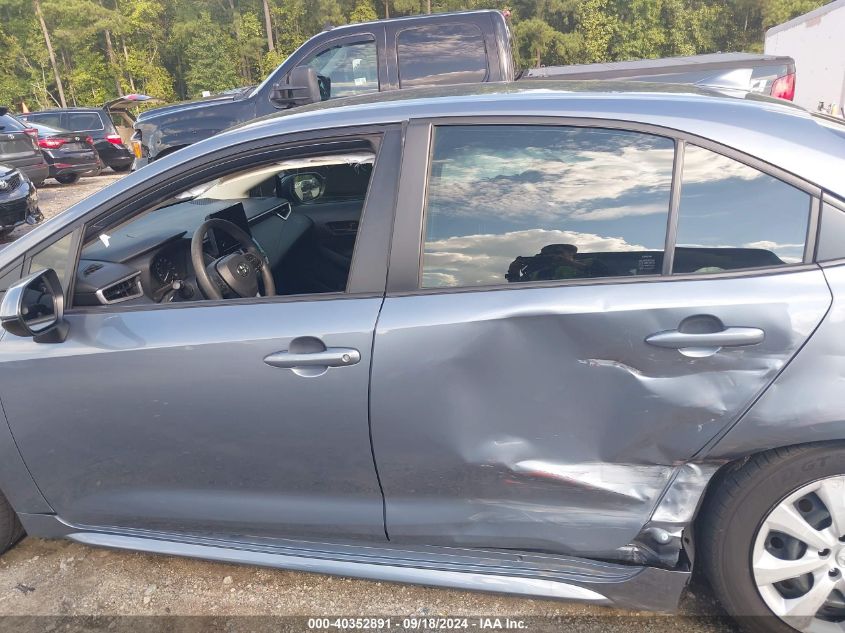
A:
x: 729, y: 337
x: 330, y: 357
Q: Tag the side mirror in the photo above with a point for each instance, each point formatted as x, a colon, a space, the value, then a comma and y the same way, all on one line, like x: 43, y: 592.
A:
x: 301, y: 88
x: 34, y: 307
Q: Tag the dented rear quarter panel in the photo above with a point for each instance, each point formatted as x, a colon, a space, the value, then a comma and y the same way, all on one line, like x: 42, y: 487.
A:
x: 538, y: 418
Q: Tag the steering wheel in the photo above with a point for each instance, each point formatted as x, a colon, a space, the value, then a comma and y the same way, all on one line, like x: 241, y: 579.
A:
x: 233, y: 273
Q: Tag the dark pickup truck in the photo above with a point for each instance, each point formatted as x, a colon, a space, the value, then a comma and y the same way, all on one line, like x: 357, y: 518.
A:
x: 427, y: 50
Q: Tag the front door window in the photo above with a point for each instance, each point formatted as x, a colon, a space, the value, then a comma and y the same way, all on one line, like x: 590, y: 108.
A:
x: 345, y: 70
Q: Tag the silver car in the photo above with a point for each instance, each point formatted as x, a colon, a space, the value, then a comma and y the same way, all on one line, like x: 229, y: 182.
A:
x: 560, y: 340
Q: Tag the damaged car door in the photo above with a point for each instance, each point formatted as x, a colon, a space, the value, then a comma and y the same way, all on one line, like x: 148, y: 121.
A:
x: 573, y: 312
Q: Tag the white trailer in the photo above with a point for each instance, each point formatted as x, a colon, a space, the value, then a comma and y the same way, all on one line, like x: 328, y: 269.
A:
x: 816, y: 41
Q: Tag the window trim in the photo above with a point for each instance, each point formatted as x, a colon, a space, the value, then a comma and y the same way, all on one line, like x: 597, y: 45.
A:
x: 368, y: 269
x: 407, y: 249
x: 437, y: 26
x: 66, y: 116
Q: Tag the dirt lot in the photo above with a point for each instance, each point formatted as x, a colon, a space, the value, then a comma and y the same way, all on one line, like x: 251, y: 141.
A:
x: 57, y: 578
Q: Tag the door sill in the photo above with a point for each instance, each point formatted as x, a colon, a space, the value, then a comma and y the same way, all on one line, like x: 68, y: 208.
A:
x: 501, y: 571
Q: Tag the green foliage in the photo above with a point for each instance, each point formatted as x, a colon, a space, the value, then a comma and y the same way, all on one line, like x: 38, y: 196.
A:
x: 178, y: 48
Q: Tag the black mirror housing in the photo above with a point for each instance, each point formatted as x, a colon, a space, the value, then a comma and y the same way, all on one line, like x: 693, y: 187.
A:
x: 34, y: 307
x: 301, y: 89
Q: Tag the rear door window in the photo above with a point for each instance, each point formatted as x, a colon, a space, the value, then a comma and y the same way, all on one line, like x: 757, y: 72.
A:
x: 8, y: 123
x: 732, y: 216
x: 510, y: 204
x: 53, y: 119
x: 83, y: 121
x: 440, y: 55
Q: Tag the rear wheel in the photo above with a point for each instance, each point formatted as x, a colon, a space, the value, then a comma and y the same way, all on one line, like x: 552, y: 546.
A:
x: 773, y: 540
x: 67, y: 179
x: 10, y: 528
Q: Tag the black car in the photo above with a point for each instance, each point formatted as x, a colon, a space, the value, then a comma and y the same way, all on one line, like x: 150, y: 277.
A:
x: 19, y: 148
x: 69, y: 154
x: 97, y: 123
x: 18, y: 200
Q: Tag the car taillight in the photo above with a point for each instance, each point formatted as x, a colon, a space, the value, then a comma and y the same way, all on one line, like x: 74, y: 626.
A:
x: 31, y: 131
x: 89, y: 140
x: 784, y: 87
x: 51, y: 143
x: 114, y: 139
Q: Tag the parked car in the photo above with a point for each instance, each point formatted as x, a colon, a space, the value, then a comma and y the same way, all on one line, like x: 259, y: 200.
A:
x: 19, y: 148
x: 18, y: 200
x: 69, y: 154
x: 424, y: 50
x: 561, y: 340
x: 97, y: 123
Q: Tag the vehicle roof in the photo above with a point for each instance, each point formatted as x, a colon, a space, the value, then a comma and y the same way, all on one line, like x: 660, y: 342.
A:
x: 356, y: 26
x: 71, y: 109
x: 806, y: 17
x: 773, y: 130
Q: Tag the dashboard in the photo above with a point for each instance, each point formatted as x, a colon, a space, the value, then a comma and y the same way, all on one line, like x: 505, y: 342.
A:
x: 148, y: 260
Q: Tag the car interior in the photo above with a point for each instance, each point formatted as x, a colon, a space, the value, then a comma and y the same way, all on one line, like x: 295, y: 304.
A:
x: 283, y: 228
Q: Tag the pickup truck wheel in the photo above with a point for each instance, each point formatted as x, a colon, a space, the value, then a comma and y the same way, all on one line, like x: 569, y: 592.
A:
x: 772, y: 539
x: 10, y: 528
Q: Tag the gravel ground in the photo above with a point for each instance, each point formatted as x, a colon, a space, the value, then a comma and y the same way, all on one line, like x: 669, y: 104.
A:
x: 66, y: 580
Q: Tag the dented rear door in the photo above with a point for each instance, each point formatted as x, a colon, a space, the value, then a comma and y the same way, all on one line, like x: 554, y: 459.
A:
x: 551, y: 413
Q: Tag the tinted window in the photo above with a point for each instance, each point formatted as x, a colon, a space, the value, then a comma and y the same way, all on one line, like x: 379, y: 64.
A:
x: 8, y: 123
x: 346, y: 69
x: 734, y: 216
x: 83, y: 121
x: 831, y: 234
x: 441, y: 54
x: 47, y: 118
x: 509, y: 204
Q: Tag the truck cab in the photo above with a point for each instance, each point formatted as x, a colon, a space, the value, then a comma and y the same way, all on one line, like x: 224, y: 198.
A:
x: 380, y: 56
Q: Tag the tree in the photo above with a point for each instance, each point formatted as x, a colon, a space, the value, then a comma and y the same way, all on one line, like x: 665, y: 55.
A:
x: 364, y: 11
x: 50, y: 51
x: 534, y: 37
x: 59, y: 52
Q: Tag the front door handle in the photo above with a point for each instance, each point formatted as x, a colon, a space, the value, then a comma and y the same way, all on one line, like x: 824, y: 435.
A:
x: 729, y: 337
x: 330, y: 357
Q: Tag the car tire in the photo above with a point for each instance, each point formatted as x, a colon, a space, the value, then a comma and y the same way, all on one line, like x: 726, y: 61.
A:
x: 68, y: 179
x: 738, y: 542
x: 121, y: 168
x: 10, y: 527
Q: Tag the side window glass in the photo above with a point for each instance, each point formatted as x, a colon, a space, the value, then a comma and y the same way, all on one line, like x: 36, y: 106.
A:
x: 520, y: 203
x: 288, y: 227
x: 831, y: 234
x: 733, y: 216
x: 56, y: 256
x: 53, y: 119
x: 442, y: 54
x: 346, y: 69
x: 83, y: 121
